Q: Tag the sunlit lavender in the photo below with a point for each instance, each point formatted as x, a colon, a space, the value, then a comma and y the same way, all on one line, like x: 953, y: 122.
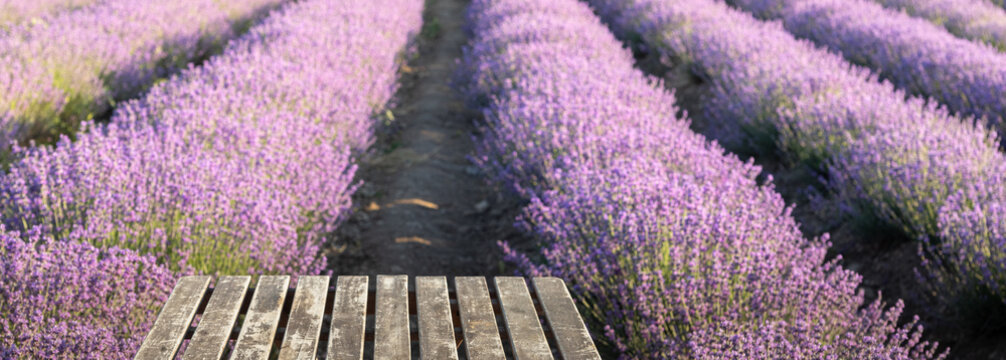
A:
x: 898, y: 160
x: 978, y: 20
x: 920, y: 57
x: 141, y: 141
x: 673, y: 247
x: 62, y: 70
x: 239, y: 166
x: 13, y: 12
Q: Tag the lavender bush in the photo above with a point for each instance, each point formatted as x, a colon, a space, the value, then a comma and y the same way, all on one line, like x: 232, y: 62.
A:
x: 669, y: 244
x: 67, y: 299
x: 972, y: 255
x: 902, y: 161
x: 60, y: 71
x: 915, y: 55
x: 15, y: 11
x: 239, y: 166
x: 978, y: 20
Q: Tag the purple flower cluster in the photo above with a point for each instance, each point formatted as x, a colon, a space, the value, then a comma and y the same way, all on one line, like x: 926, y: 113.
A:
x: 236, y: 166
x: 900, y: 160
x: 62, y: 70
x: 668, y: 243
x: 15, y: 11
x: 67, y: 299
x: 239, y: 166
x: 914, y: 54
x: 977, y: 20
x: 972, y: 245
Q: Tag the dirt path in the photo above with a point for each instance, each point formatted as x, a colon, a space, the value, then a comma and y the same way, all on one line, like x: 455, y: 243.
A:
x: 424, y: 209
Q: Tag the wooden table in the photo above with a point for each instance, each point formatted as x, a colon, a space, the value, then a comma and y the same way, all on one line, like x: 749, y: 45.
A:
x: 348, y: 317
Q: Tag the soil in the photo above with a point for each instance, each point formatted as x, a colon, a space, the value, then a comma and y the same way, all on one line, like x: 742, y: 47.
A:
x: 885, y: 258
x: 424, y: 208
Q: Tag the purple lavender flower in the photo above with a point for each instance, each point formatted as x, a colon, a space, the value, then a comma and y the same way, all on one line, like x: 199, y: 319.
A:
x: 977, y: 20
x: 894, y: 158
x: 914, y: 54
x: 61, y: 70
x: 240, y: 166
x: 670, y: 245
x: 970, y: 250
x: 15, y: 11
x: 64, y: 298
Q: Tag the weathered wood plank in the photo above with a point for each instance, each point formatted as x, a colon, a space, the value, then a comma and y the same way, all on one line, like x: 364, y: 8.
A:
x: 164, y: 338
x: 349, y: 318
x: 571, y: 334
x: 478, y: 322
x: 436, y: 330
x: 304, y: 327
x: 391, y: 322
x: 526, y: 336
x: 218, y: 319
x: 260, y: 324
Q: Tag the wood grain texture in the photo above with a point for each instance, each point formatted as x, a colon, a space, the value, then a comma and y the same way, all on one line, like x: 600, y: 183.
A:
x: 304, y: 327
x: 391, y: 323
x: 349, y: 318
x: 210, y: 339
x: 260, y: 324
x: 481, y: 330
x: 436, y: 330
x: 478, y: 322
x: 570, y: 333
x: 166, y: 336
x: 522, y: 323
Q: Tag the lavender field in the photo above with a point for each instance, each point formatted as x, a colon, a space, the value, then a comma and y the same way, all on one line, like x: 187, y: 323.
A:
x: 713, y: 179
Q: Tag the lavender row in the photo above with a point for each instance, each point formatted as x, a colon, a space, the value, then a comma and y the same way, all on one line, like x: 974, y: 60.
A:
x: 240, y: 166
x: 248, y: 153
x: 899, y: 160
x: 16, y: 11
x: 672, y: 248
x: 914, y: 54
x: 65, y: 69
x: 977, y: 20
